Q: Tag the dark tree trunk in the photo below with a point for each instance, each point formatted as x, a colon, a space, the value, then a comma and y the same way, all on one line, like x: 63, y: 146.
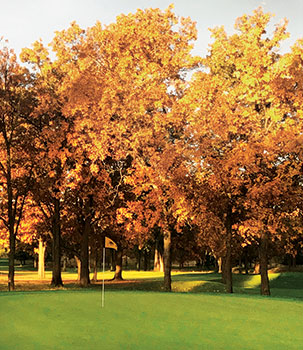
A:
x: 167, y: 260
x: 246, y: 262
x: 84, y: 254
x: 145, y: 261
x: 118, y: 271
x: 228, y: 272
x: 56, y: 246
x: 139, y: 260
x: 112, y: 260
x: 223, y: 270
x: 11, y: 261
x: 228, y: 262
x: 263, y: 248
x: 11, y: 221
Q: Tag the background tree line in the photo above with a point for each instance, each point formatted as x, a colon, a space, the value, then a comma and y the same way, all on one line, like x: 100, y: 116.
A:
x: 120, y: 131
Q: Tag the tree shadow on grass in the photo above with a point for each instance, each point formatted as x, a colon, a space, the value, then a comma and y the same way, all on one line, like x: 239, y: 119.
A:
x: 288, y: 280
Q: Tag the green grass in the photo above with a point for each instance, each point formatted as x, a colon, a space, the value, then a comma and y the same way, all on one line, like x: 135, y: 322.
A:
x: 142, y: 320
x: 137, y: 315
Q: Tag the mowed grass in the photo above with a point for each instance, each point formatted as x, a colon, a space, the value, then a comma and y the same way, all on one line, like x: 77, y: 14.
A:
x: 144, y: 320
x: 137, y: 315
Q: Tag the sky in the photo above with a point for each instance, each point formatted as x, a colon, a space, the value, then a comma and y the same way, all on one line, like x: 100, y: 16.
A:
x: 24, y: 21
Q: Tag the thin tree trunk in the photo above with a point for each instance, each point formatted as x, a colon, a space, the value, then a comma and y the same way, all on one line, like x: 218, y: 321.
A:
x: 78, y: 261
x: 118, y: 271
x: 145, y: 260
x: 64, y: 261
x: 41, y: 259
x: 112, y: 260
x: 56, y: 246
x: 158, y: 260
x: 228, y: 263
x: 228, y: 272
x: 265, y: 290
x: 139, y: 260
x: 156, y: 257
x: 219, y: 262
x: 161, y: 262
x: 257, y: 267
x: 167, y: 260
x: 84, y: 255
x: 11, y: 220
x: 11, y: 261
x: 223, y: 272
x: 246, y: 263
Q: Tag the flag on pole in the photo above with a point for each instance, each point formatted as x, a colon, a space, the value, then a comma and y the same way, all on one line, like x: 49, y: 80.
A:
x: 109, y: 243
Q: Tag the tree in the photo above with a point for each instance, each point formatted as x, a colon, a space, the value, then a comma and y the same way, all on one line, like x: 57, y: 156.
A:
x: 122, y: 80
x: 16, y: 146
x: 238, y: 131
x: 54, y: 151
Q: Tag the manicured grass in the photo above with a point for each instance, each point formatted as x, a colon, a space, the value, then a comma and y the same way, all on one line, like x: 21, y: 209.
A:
x: 143, y: 320
x: 137, y: 315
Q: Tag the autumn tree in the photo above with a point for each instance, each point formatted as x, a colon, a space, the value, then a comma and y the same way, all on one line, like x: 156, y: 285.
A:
x: 16, y: 146
x: 239, y: 131
x: 122, y: 80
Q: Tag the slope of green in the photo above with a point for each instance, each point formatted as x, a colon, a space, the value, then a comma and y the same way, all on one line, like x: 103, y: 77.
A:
x: 141, y: 320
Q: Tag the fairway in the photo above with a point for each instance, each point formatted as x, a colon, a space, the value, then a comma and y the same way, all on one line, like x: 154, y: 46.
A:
x: 144, y: 320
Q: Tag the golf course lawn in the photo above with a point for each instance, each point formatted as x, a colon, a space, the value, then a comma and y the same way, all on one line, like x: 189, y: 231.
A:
x: 54, y: 320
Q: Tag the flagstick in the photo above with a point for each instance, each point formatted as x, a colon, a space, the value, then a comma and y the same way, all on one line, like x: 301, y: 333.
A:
x: 102, y: 295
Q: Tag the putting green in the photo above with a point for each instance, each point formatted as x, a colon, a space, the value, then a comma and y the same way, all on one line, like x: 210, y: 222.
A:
x: 147, y: 320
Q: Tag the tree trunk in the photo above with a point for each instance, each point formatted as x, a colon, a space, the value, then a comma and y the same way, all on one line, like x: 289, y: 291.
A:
x: 11, y: 261
x: 246, y: 262
x: 118, y: 271
x: 56, y: 246
x: 256, y: 268
x: 112, y: 260
x: 223, y: 271
x: 145, y: 260
x: 41, y: 259
x: 11, y: 227
x: 95, y: 265
x: 84, y: 254
x: 64, y: 261
x: 78, y: 261
x: 167, y: 260
x: 219, y: 262
x: 228, y: 263
x: 265, y: 290
x: 158, y: 260
x: 139, y: 260
x: 35, y: 262
x: 228, y: 272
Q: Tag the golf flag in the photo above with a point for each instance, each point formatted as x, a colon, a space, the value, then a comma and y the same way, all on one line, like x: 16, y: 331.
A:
x: 109, y: 243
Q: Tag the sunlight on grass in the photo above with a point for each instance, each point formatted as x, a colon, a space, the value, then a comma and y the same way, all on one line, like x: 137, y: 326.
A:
x: 255, y: 280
